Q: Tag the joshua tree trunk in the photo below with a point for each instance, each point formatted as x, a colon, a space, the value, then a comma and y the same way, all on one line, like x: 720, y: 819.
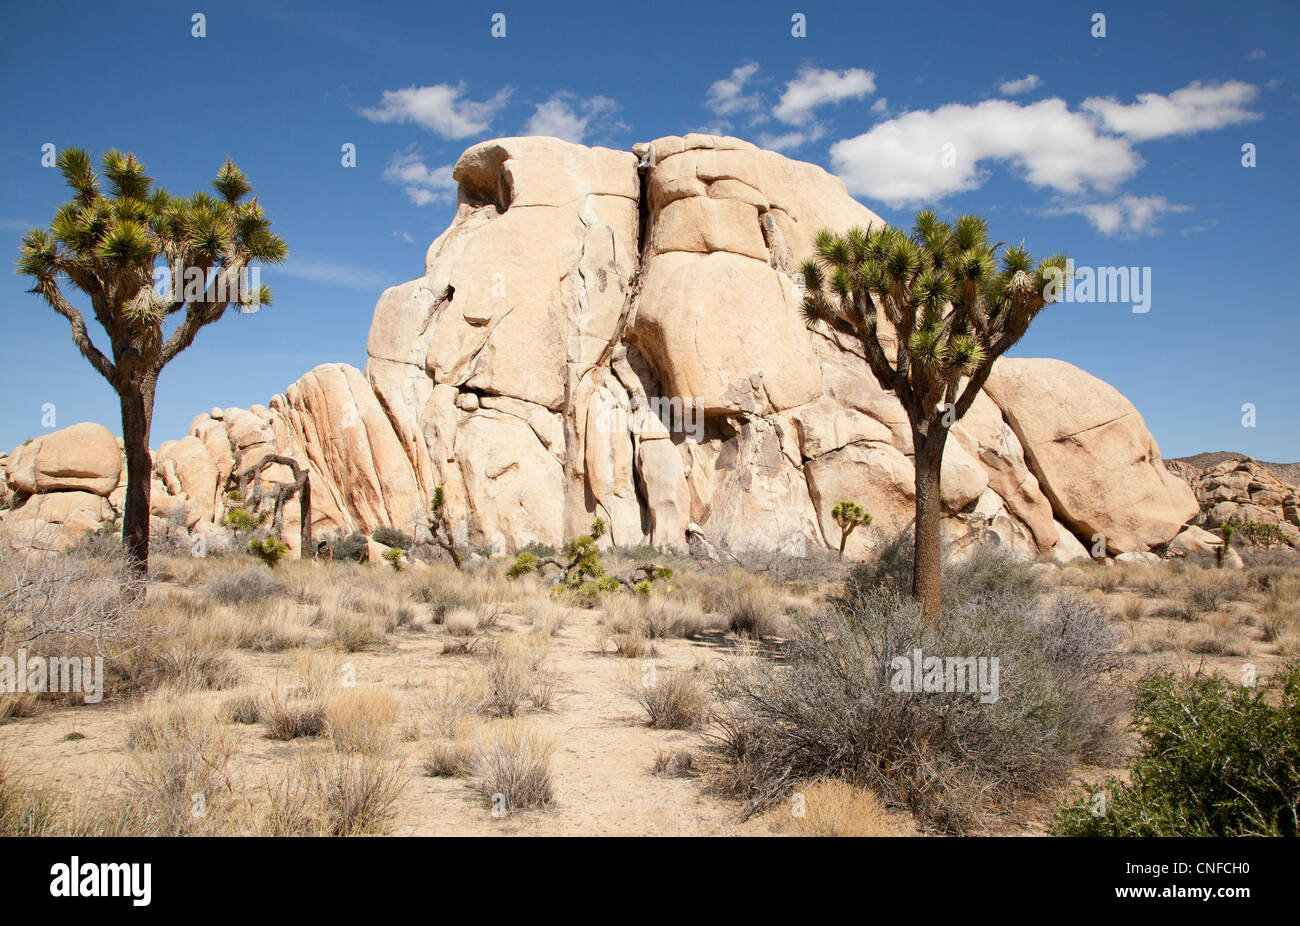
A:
x: 137, y: 417
x: 926, y: 577
x: 844, y: 538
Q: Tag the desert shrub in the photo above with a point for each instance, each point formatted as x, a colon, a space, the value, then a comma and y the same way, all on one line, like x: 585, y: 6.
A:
x: 838, y: 710
x: 350, y: 547
x: 391, y: 537
x: 247, y: 586
x: 1215, y: 759
x: 985, y: 570
x: 674, y: 701
x: 395, y: 557
x: 1257, y: 532
x: 511, y: 768
x: 356, y: 794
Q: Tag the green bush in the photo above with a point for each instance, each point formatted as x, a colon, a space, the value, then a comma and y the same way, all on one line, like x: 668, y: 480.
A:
x: 394, y: 558
x: 269, y: 550
x: 391, y: 537
x: 1216, y: 759
x: 239, y: 520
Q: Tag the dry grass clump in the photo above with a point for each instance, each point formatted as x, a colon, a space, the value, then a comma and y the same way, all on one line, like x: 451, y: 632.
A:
x: 660, y: 617
x: 511, y: 768
x: 672, y: 700
x: 516, y: 677
x: 177, y: 783
x: 1134, y: 608
x: 675, y: 763
x: 355, y: 794
x: 247, y: 586
x: 831, y: 807
x: 752, y: 609
x: 288, y: 718
x: 452, y: 712
x: 26, y: 808
x: 189, y: 666
x: 244, y: 708
x: 361, y: 720
x: 460, y: 622
x: 355, y: 633
x: 630, y: 642
x: 547, y: 617
x: 318, y: 672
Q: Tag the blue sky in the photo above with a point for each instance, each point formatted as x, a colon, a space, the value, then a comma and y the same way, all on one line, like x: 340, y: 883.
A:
x: 1122, y: 150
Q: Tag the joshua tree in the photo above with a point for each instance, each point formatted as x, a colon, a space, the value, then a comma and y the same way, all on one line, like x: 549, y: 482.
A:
x: 440, y: 528
x: 951, y: 305
x: 849, y: 515
x: 107, y: 246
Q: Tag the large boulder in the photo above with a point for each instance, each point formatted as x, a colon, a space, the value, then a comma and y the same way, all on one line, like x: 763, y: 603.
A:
x: 1092, y: 454
x: 84, y: 457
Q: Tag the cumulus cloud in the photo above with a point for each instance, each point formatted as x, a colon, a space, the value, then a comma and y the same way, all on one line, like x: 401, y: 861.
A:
x: 1127, y: 215
x: 567, y: 116
x: 789, y: 141
x: 1022, y: 85
x: 1194, y: 108
x: 441, y: 108
x: 816, y: 87
x: 926, y: 155
x: 726, y: 96
x: 423, y: 184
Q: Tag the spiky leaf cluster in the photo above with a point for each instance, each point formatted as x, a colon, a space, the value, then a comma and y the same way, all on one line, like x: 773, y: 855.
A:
x: 108, y: 239
x: 951, y: 302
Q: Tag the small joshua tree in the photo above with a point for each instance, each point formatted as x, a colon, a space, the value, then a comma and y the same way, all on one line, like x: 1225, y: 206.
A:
x: 269, y: 550
x: 849, y: 516
x: 950, y: 305
x: 440, y: 528
x: 581, y: 571
x: 1228, y: 531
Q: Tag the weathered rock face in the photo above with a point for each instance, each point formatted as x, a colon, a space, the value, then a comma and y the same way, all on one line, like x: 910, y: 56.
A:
x: 1240, y: 491
x: 617, y: 333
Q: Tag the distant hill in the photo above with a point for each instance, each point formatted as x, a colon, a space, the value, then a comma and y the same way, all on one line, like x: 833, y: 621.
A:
x: 1286, y: 472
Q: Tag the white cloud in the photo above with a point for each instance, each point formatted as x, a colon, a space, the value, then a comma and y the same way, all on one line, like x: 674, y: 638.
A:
x: 814, y: 87
x: 789, y: 141
x: 902, y: 160
x: 726, y: 95
x: 405, y: 236
x: 423, y: 184
x: 1023, y: 85
x: 1256, y: 54
x: 566, y: 116
x: 441, y: 108
x: 880, y: 106
x: 1128, y: 215
x: 1194, y: 108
